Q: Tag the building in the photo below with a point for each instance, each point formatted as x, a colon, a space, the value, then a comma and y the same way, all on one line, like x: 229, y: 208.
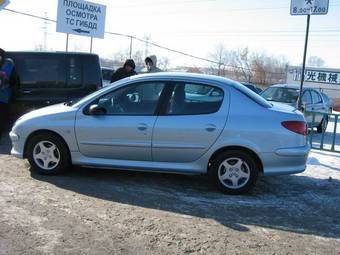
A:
x: 325, y: 79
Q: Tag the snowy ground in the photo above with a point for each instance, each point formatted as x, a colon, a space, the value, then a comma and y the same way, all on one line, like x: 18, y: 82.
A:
x: 115, y: 212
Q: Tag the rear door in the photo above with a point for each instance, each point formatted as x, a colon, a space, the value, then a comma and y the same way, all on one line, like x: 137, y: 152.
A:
x: 318, y: 106
x: 308, y: 104
x: 190, y: 122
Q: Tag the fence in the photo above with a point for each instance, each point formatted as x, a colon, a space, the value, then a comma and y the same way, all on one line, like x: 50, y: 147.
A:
x: 329, y: 138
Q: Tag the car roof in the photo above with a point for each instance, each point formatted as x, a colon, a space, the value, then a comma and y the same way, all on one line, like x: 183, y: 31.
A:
x: 291, y: 86
x: 51, y: 52
x: 179, y: 75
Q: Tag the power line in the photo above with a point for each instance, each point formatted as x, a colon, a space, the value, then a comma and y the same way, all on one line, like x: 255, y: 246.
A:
x: 147, y: 42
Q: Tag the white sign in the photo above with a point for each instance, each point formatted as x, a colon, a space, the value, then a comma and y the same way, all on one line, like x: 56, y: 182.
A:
x: 3, y: 4
x: 81, y: 18
x: 312, y: 7
x: 317, y: 76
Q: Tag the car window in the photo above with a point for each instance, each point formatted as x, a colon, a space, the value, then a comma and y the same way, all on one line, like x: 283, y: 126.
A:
x: 306, y: 97
x: 316, y: 97
x: 193, y: 99
x: 74, y: 78
x: 135, y: 99
x: 278, y: 94
x: 41, y: 71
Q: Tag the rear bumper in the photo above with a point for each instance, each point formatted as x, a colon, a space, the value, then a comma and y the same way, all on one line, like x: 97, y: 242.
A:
x: 285, y: 161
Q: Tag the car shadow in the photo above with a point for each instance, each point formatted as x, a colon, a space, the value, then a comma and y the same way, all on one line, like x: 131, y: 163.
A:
x: 294, y: 203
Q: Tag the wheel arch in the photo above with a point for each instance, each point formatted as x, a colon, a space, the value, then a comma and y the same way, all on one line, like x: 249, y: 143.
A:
x: 237, y: 147
x: 46, y: 131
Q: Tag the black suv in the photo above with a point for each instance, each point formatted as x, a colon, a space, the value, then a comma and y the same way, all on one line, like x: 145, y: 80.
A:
x: 53, y: 77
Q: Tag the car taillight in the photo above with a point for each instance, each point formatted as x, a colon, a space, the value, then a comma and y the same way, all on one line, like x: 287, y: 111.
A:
x: 299, y: 127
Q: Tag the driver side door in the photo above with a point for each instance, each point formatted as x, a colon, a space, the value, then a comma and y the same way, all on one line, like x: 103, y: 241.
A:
x: 123, y: 129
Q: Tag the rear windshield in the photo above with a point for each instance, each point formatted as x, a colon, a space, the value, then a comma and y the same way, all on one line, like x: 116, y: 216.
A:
x: 279, y: 94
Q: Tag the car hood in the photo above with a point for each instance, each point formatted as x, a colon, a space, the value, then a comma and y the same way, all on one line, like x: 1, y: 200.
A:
x: 52, y: 110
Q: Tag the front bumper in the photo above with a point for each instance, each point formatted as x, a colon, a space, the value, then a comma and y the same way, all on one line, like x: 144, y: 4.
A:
x: 285, y: 161
x: 17, y: 145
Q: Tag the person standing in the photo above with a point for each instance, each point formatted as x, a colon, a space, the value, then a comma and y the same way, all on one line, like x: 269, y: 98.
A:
x: 126, y: 71
x: 8, y: 81
x: 151, y: 65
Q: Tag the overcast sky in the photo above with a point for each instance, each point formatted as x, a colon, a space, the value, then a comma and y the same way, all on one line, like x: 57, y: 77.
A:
x: 192, y: 26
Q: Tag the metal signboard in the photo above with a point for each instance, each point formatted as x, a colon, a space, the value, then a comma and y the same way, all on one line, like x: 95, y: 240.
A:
x: 309, y: 7
x: 318, y: 76
x: 81, y: 18
x: 3, y: 4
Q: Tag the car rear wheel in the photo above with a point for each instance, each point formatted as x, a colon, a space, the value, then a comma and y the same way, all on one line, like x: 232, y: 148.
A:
x: 234, y: 172
x: 48, y: 154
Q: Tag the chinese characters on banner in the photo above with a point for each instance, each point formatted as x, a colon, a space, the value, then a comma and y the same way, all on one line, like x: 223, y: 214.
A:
x: 319, y: 77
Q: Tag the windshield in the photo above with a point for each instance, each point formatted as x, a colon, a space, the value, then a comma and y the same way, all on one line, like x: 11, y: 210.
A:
x: 279, y: 94
x: 98, y: 92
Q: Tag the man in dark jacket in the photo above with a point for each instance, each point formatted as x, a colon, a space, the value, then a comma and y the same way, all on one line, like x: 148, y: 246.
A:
x: 8, y: 82
x: 126, y: 71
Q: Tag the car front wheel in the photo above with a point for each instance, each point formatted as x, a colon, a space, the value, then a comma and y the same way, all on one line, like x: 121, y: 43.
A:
x: 234, y: 172
x: 48, y: 154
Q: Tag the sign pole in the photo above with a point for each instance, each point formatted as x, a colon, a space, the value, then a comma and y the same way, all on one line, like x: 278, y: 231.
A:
x: 304, y: 63
x: 91, y: 44
x: 130, y: 46
x: 67, y: 42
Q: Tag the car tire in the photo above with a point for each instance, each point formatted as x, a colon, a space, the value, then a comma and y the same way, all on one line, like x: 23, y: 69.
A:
x: 48, y: 154
x: 322, y: 126
x: 234, y: 172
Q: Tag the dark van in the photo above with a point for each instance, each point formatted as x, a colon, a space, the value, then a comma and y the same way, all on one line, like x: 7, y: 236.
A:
x: 53, y: 77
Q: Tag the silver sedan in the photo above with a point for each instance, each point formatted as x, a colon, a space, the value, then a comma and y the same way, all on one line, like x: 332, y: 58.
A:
x: 166, y: 122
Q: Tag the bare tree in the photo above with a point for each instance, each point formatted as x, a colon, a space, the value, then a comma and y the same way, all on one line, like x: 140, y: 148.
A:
x: 315, y: 61
x: 241, y: 64
x: 38, y: 47
x: 220, y: 55
x: 163, y: 63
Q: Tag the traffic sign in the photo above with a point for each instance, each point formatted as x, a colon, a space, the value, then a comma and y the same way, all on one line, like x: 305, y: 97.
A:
x: 309, y: 7
x: 3, y: 4
x: 81, y: 18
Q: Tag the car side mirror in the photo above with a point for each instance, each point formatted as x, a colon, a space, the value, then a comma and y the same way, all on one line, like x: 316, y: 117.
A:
x: 96, y: 110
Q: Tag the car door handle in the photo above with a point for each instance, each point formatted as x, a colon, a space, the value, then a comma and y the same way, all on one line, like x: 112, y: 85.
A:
x: 142, y: 127
x: 27, y: 91
x: 210, y: 128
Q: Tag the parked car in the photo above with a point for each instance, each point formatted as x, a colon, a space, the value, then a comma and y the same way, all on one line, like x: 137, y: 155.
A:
x: 252, y: 87
x: 312, y: 101
x: 107, y: 74
x: 47, y: 78
x: 327, y: 100
x: 146, y: 122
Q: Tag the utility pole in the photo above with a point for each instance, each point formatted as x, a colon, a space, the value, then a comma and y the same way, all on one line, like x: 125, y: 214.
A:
x: 146, y: 38
x: 45, y: 32
x: 130, y: 46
